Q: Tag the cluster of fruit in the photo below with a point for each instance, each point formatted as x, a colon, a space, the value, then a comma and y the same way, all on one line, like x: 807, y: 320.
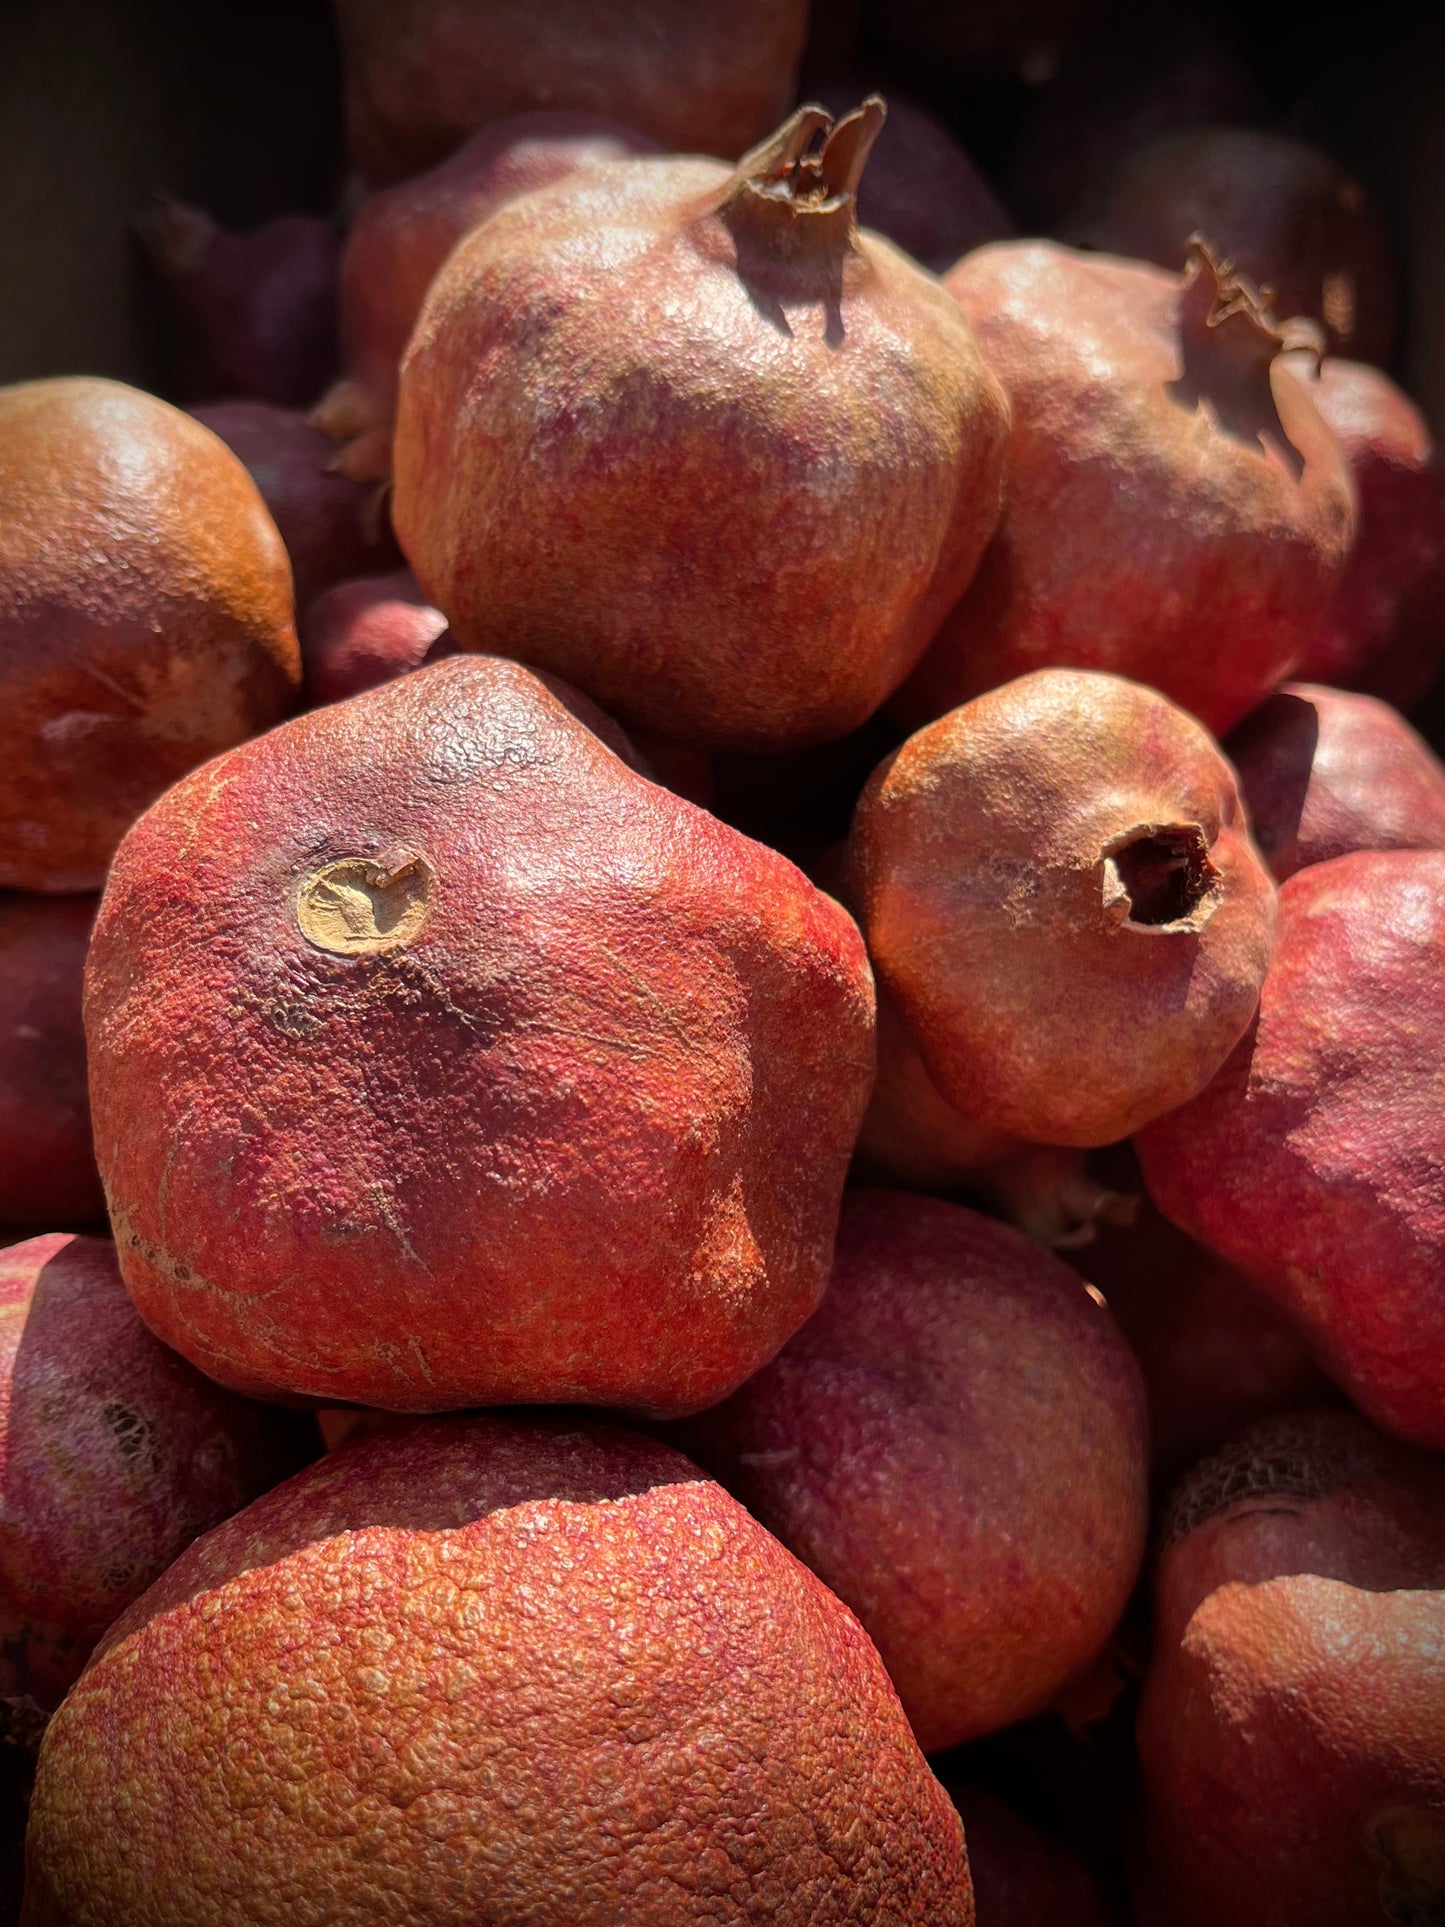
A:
x: 750, y: 941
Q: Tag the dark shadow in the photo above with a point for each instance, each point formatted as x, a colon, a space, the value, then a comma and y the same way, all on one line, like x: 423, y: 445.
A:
x: 1274, y: 752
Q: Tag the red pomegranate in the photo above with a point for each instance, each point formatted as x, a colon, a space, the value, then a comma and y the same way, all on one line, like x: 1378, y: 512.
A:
x: 658, y: 424
x: 401, y: 235
x: 256, y: 313
x: 955, y: 1443
x: 1324, y: 773
x: 1312, y: 1160
x: 484, y: 1671
x: 114, y: 1454
x: 1290, y: 218
x: 1060, y: 896
x: 146, y: 618
x: 1384, y: 628
x: 1177, y: 510
x: 362, y: 633
x: 47, y: 1160
x: 1022, y: 1877
x: 438, y: 1058
x: 423, y: 74
x: 1292, y: 1731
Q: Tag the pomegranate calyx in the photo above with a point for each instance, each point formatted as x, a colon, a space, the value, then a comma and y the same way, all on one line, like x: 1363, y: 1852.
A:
x: 813, y: 163
x: 1158, y: 879
x: 1229, y: 338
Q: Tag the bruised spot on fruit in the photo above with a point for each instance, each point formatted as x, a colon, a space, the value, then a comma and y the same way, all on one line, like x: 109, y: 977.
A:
x: 1409, y: 1844
x: 362, y: 903
x: 1158, y: 876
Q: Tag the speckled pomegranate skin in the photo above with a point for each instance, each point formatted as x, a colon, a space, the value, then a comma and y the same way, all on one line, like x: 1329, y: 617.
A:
x: 114, y: 1454
x: 146, y: 618
x: 490, y: 1672
x: 1139, y: 534
x: 1315, y: 1159
x: 1292, y: 1730
x: 47, y: 1163
x: 722, y: 462
x: 570, y: 1127
x: 363, y: 633
x: 955, y: 1443
x: 1324, y: 773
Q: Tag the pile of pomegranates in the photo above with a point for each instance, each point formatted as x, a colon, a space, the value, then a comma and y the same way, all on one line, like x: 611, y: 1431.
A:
x: 722, y: 1006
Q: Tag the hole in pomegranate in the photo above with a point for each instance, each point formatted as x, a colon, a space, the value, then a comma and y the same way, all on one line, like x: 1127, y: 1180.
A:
x: 1158, y: 875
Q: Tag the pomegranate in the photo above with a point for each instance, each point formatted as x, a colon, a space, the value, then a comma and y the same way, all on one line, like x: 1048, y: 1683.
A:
x: 423, y: 74
x: 1324, y: 773
x: 679, y: 515
x: 1023, y: 1878
x: 47, y: 1161
x: 146, y: 618
x: 365, y: 632
x: 1312, y: 1160
x: 1292, y: 1731
x: 1177, y: 510
x: 401, y: 235
x: 114, y: 1454
x: 1061, y: 898
x: 491, y: 1670
x: 333, y: 527
x: 1289, y: 217
x: 438, y: 1059
x: 955, y: 1376
x: 256, y: 313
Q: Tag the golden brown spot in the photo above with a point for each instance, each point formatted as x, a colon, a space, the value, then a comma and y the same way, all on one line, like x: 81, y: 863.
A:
x: 363, y: 903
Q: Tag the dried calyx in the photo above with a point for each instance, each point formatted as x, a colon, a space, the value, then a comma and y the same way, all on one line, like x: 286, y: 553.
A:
x: 812, y: 165
x: 1157, y: 877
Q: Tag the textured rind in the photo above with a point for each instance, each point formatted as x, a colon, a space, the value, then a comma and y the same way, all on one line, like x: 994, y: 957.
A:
x: 488, y: 1673
x: 146, y: 618
x: 728, y: 489
x: 976, y: 867
x: 47, y: 1163
x: 1138, y: 536
x: 1315, y: 1159
x: 582, y: 1138
x: 955, y: 1442
x: 1324, y: 773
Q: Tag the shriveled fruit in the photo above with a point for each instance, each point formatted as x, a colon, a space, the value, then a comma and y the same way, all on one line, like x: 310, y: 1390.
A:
x: 146, y: 618
x: 423, y: 74
x: 114, y: 1454
x: 682, y: 514
x: 1313, y: 1158
x: 366, y: 632
x: 1324, y: 773
x: 1292, y: 1730
x: 543, y: 1672
x: 1059, y: 894
x: 47, y: 1161
x: 955, y: 1443
x: 1176, y: 508
x: 1023, y: 1878
x: 440, y: 1059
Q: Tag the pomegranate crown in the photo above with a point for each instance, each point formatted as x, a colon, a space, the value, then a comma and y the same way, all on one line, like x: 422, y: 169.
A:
x: 813, y: 163
x: 1215, y: 293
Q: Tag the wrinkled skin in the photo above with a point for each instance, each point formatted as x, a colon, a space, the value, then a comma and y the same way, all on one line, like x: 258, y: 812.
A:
x: 1314, y: 1158
x: 678, y: 516
x: 146, y: 618
x: 955, y: 1443
x: 333, y: 527
x: 47, y: 1161
x: 1176, y: 509
x: 1060, y: 896
x: 363, y: 633
x: 1292, y: 1731
x: 421, y: 75
x: 488, y: 1671
x: 1324, y: 773
x: 1288, y: 216
x: 114, y: 1455
x: 1023, y: 1878
x: 440, y: 1059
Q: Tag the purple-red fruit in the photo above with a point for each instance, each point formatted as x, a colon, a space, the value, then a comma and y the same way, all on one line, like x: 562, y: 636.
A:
x: 47, y: 1160
x: 362, y: 633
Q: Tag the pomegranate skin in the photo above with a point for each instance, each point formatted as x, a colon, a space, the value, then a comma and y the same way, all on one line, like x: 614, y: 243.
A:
x: 333, y: 527
x: 1024, y: 1878
x: 1313, y: 1158
x: 1290, y: 218
x: 1059, y: 894
x: 359, y: 634
x: 552, y: 1638
x: 541, y: 1083
x: 114, y: 1454
x: 954, y: 1376
x: 423, y: 74
x: 1292, y: 1730
x: 678, y: 518
x: 146, y: 618
x: 1176, y: 509
x: 47, y: 1160
x: 1324, y: 773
